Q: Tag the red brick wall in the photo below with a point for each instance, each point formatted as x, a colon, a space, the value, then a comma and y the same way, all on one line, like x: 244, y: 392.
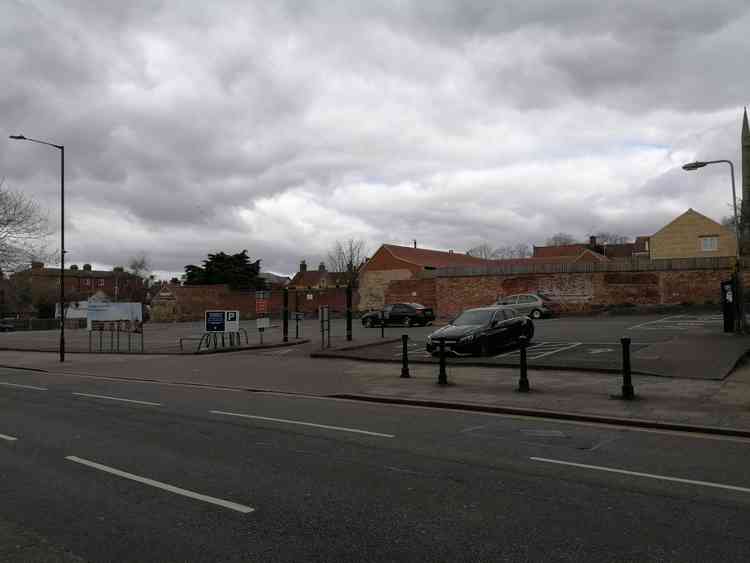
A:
x: 579, y: 291
x: 412, y: 291
x: 191, y: 302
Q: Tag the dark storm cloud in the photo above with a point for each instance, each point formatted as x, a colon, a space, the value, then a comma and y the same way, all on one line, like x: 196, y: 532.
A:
x: 280, y: 127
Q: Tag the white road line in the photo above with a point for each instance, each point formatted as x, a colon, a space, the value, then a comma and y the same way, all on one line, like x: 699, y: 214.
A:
x: 164, y: 486
x: 7, y: 438
x: 556, y: 351
x: 149, y: 403
x: 23, y: 386
x: 655, y: 322
x: 647, y: 475
x: 532, y: 347
x: 300, y: 423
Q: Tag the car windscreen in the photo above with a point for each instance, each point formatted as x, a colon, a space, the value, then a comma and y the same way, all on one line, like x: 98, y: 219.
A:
x: 474, y: 317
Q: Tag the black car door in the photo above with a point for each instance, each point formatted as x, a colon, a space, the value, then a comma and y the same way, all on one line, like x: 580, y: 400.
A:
x: 497, y: 333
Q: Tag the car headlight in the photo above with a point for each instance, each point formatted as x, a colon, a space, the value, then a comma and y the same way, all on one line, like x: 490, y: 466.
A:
x: 467, y: 338
x: 429, y: 339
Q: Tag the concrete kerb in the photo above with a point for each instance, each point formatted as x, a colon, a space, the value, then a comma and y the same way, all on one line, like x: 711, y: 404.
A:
x: 551, y: 414
x: 254, y: 347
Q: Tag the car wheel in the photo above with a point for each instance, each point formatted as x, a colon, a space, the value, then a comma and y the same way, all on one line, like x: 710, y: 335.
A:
x: 368, y: 323
x: 407, y: 322
x: 536, y: 314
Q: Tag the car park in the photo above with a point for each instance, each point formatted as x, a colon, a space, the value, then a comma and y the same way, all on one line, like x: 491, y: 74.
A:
x: 481, y: 331
x: 535, y: 305
x: 406, y: 314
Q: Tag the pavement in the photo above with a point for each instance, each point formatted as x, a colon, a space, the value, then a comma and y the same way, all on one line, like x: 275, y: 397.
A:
x: 123, y: 470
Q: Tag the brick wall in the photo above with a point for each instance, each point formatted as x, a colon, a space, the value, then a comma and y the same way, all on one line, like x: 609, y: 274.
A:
x: 191, y: 302
x: 412, y: 291
x: 373, y: 284
x: 577, y: 292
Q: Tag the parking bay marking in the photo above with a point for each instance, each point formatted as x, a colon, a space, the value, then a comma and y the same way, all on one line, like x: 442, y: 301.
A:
x: 646, y: 475
x: 164, y: 486
x: 301, y: 423
x: 18, y: 385
x: 7, y: 438
x: 542, y: 349
x: 108, y: 398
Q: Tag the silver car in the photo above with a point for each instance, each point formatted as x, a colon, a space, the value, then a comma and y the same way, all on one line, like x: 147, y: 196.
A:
x: 534, y: 305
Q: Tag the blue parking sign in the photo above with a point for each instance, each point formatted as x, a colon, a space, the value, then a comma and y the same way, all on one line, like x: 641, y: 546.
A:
x: 215, y: 321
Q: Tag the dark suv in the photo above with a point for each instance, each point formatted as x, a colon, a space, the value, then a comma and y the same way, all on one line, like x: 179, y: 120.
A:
x: 406, y: 314
x: 481, y: 331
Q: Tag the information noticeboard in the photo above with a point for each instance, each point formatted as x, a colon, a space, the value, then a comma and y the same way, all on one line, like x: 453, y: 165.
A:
x: 263, y: 322
x: 222, y: 321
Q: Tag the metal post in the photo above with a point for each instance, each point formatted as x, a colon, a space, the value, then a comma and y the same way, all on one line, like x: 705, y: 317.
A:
x: 111, y: 339
x: 130, y: 340
x: 628, y: 392
x: 322, y: 329
x: 89, y: 342
x: 442, y: 375
x: 223, y: 345
x: 523, y: 380
x: 118, y: 336
x: 296, y: 325
x: 349, y: 312
x: 328, y: 322
x: 62, y: 253
x: 382, y: 325
x: 101, y: 332
x: 405, y: 355
x: 285, y: 312
x: 261, y: 336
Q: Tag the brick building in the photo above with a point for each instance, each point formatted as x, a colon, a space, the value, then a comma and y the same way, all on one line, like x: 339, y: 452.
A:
x: 391, y: 262
x: 37, y: 289
x: 693, y: 235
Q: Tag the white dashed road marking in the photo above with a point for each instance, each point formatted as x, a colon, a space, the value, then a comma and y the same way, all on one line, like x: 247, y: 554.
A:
x: 164, y: 486
x: 108, y: 398
x: 300, y: 423
x: 647, y: 475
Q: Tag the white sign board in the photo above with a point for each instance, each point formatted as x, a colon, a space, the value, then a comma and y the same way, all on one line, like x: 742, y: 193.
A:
x: 263, y: 322
x: 106, y: 311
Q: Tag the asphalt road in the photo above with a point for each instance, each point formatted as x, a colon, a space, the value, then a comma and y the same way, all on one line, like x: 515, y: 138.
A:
x: 118, y: 471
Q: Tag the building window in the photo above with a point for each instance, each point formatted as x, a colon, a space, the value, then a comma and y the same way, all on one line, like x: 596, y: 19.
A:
x: 86, y: 282
x: 100, y: 282
x: 709, y: 244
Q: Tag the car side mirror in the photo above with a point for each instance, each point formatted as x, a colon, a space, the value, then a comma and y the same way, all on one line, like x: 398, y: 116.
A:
x: 494, y: 323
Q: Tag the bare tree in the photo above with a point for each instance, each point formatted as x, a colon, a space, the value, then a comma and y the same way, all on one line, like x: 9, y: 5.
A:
x: 484, y: 251
x: 140, y: 265
x: 520, y: 250
x: 605, y: 237
x: 24, y: 229
x: 347, y: 256
x: 560, y: 239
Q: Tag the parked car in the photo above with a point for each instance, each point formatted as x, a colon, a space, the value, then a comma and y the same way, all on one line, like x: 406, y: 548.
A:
x: 6, y: 326
x: 534, y: 305
x: 482, y: 331
x: 407, y: 314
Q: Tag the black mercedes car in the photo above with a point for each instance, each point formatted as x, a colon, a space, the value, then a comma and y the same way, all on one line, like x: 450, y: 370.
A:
x: 481, y: 331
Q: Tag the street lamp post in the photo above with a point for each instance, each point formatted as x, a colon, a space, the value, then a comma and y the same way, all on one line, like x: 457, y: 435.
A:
x: 700, y: 164
x: 61, y: 148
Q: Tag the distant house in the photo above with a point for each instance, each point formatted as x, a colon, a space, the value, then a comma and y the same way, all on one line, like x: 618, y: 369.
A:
x: 391, y: 262
x: 38, y: 288
x: 692, y: 235
x: 602, y: 251
x: 317, y: 279
x: 274, y: 281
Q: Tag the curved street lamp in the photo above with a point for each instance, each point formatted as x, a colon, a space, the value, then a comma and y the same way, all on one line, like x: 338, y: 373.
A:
x: 61, y: 148
x: 690, y: 166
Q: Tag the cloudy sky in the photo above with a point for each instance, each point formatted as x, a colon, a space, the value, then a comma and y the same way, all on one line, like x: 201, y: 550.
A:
x: 284, y: 126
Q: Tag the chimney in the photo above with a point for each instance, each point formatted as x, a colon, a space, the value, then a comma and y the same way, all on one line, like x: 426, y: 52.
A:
x: 74, y: 267
x: 321, y: 267
x: 592, y: 242
x: 87, y: 267
x: 303, y: 266
x: 415, y: 243
x: 450, y: 251
x: 118, y: 269
x: 37, y: 265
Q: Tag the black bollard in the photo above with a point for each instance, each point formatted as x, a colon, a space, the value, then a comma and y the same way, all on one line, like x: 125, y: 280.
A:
x: 285, y: 313
x: 404, y: 355
x: 349, y: 312
x: 442, y: 375
x: 523, y: 380
x: 382, y: 326
x: 628, y: 393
